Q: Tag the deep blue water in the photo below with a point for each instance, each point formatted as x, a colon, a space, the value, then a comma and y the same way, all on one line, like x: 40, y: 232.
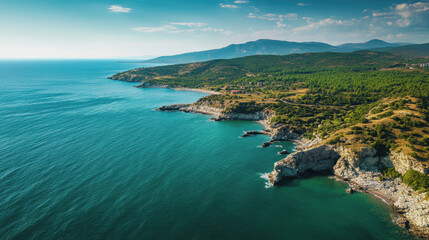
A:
x: 84, y: 157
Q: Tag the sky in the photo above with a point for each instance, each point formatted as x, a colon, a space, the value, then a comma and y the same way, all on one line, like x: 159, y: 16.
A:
x: 144, y: 28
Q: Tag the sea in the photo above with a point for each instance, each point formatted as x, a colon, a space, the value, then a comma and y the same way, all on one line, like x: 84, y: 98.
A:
x: 86, y: 157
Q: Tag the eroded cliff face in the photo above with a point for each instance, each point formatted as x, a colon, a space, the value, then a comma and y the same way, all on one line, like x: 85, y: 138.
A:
x: 351, y: 162
x: 195, y: 108
x: 321, y: 158
x: 283, y: 133
x: 361, y: 169
x: 402, y: 162
x: 256, y: 116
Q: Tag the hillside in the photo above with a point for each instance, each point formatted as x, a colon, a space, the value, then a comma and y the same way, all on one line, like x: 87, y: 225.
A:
x: 267, y: 47
x: 348, y: 71
x: 414, y: 50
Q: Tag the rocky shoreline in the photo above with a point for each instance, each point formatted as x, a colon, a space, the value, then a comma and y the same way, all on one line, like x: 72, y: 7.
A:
x: 358, y: 167
x: 361, y: 170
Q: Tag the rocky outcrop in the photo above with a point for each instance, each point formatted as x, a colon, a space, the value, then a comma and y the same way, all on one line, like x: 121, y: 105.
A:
x: 351, y: 162
x: 317, y: 159
x: 402, y: 162
x: 195, y: 108
x: 174, y: 107
x: 252, y: 133
x: 218, y: 113
x: 283, y: 133
x: 283, y: 152
x: 256, y: 116
x: 204, y: 109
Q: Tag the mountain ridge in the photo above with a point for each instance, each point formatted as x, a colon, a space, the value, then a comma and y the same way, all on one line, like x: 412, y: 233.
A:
x: 269, y: 47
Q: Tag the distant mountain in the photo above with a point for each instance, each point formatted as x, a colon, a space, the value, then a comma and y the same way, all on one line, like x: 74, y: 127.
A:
x: 375, y: 43
x: 267, y: 47
x: 413, y: 50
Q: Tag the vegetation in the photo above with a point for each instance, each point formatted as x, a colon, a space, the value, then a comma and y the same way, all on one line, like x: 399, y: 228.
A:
x: 391, y: 173
x: 364, y: 97
x: 416, y: 180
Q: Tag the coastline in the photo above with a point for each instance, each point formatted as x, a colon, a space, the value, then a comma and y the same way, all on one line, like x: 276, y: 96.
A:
x: 301, y: 145
x: 182, y: 89
x: 197, y: 90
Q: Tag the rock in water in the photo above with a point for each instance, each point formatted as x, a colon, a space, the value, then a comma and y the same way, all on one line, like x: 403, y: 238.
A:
x: 266, y: 144
x: 251, y: 133
x: 283, y: 152
x: 350, y: 190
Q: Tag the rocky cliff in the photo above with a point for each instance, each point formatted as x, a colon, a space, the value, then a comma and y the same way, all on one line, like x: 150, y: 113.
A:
x: 361, y: 169
x: 317, y: 159
x: 195, y: 108
x: 402, y: 162
x: 281, y: 132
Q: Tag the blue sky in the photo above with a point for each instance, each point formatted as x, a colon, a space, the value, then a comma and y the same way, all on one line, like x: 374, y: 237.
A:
x: 134, y: 28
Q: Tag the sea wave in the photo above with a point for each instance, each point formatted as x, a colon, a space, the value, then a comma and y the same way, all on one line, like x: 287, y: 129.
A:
x: 265, y: 176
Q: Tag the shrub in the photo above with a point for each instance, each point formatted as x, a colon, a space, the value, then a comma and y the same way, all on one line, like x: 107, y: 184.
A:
x: 335, y: 140
x: 391, y: 173
x: 416, y: 180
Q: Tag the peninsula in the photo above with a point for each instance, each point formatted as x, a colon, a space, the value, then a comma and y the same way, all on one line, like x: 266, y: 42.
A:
x: 361, y: 116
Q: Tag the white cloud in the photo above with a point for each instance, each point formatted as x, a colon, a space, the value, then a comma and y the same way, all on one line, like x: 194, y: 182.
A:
x: 189, y: 24
x: 302, y: 4
x: 278, y: 18
x: 380, y: 14
x: 409, y: 13
x: 280, y: 24
x: 269, y: 16
x: 290, y: 16
x: 407, y: 10
x: 403, y: 22
x: 231, y: 6
x: 240, y: 2
x: 164, y: 28
x: 274, y: 17
x: 119, y: 9
x: 389, y: 23
x: 322, y: 23
x: 182, y: 27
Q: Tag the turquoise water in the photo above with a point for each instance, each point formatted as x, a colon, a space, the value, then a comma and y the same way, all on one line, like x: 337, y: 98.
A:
x: 84, y: 157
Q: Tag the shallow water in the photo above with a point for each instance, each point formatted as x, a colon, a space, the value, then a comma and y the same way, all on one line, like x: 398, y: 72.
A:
x: 84, y: 157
